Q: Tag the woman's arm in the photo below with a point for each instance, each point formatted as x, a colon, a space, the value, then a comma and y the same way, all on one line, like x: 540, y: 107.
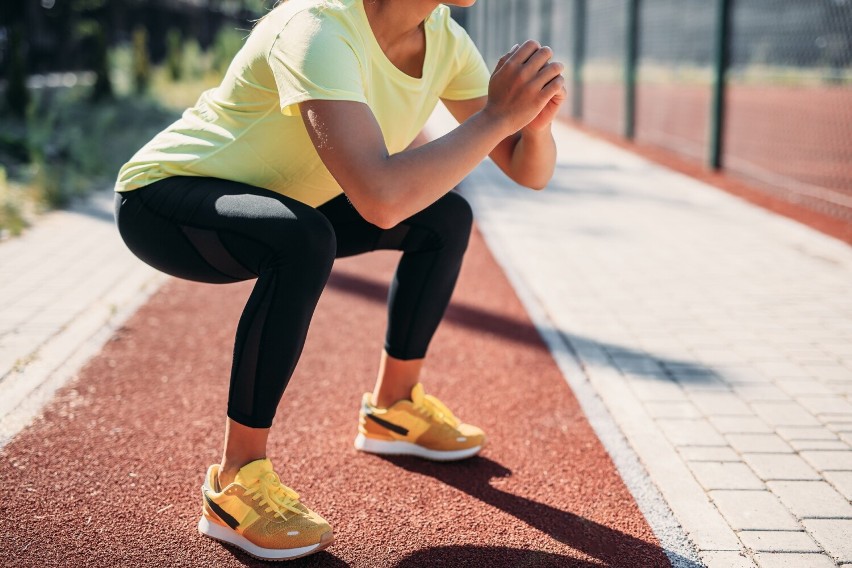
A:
x: 528, y: 156
x: 385, y: 189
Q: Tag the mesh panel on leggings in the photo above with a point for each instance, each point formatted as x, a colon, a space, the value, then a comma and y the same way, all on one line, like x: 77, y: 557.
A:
x: 789, y: 105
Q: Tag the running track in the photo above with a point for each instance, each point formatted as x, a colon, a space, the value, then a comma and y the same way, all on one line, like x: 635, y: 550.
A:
x: 110, y: 475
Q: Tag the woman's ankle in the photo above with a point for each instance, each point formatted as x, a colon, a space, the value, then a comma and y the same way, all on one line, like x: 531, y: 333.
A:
x: 226, y: 476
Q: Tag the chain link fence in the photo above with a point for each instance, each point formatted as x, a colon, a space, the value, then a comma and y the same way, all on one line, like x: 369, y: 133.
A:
x: 759, y: 88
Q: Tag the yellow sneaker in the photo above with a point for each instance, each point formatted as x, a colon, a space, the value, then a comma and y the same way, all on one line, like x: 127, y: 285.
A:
x: 421, y: 427
x: 261, y: 516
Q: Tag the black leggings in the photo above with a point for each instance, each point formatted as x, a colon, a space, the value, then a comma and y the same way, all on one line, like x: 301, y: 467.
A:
x: 219, y: 231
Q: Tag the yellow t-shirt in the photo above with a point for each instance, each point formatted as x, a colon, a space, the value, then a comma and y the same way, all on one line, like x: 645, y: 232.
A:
x: 249, y: 128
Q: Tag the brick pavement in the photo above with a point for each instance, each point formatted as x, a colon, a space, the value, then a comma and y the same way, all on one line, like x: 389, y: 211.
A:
x: 717, y: 335
x: 65, y: 285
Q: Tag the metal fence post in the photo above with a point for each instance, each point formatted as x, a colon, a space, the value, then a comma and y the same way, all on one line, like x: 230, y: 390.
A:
x: 579, y: 55
x: 720, y: 67
x: 630, y: 59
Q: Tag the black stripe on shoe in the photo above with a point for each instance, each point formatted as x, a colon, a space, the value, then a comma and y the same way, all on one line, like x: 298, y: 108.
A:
x: 221, y: 513
x: 389, y: 425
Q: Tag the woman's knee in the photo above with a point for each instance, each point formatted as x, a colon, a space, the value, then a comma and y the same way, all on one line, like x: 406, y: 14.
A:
x: 452, y: 218
x: 457, y: 211
x: 309, y: 242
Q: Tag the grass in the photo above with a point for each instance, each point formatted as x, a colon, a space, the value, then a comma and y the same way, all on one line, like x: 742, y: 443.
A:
x: 68, y: 145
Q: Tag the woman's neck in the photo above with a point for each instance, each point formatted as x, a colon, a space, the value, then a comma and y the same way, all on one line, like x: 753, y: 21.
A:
x: 397, y: 21
x: 398, y: 28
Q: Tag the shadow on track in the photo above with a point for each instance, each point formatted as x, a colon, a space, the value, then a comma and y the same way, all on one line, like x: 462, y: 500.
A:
x: 473, y: 477
x: 649, y: 366
x: 493, y: 556
x: 323, y: 559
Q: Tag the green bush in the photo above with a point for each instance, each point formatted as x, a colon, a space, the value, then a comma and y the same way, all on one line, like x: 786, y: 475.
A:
x: 103, y: 84
x: 226, y: 45
x: 74, y: 145
x: 194, y: 59
x: 12, y: 219
x: 141, y: 60
x: 174, y: 54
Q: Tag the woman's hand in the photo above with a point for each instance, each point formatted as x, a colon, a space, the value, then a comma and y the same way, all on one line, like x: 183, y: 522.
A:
x: 542, y: 122
x: 526, y: 88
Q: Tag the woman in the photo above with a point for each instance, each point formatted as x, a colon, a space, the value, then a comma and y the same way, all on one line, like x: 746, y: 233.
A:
x: 308, y: 151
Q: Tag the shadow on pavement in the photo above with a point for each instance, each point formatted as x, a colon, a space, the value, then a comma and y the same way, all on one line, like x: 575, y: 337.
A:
x: 473, y: 477
x: 637, y: 363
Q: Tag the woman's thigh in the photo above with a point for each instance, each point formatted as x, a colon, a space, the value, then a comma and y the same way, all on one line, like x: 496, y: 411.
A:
x: 214, y: 230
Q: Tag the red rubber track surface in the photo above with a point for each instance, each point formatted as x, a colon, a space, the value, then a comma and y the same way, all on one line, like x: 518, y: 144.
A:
x: 110, y: 475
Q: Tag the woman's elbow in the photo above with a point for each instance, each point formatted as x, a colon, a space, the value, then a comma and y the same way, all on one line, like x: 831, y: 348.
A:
x: 375, y: 210
x: 536, y: 183
x: 537, y: 186
x: 383, y: 220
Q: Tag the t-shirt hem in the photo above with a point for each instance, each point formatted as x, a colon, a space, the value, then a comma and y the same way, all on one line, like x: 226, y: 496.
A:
x: 287, y: 105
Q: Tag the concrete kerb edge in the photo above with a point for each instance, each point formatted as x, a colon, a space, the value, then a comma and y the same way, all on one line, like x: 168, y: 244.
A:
x: 680, y: 550
x: 63, y: 371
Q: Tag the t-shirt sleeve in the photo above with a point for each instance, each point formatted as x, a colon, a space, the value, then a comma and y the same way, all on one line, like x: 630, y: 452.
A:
x: 313, y: 58
x: 472, y: 77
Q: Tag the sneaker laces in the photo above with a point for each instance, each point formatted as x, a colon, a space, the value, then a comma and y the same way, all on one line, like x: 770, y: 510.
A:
x: 278, y: 497
x: 437, y: 410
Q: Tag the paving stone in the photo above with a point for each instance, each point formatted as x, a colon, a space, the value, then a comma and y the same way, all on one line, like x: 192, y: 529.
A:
x: 798, y: 387
x: 780, y: 467
x: 725, y: 559
x: 825, y: 405
x: 795, y: 433
x: 839, y: 427
x: 781, y: 560
x: 836, y: 417
x: 740, y: 425
x: 778, y: 541
x: 763, y: 392
x: 690, y: 432
x: 842, y: 482
x: 708, y: 454
x: 657, y: 390
x: 833, y: 535
x: 802, y: 445
x: 812, y: 499
x: 754, y: 510
x: 758, y: 443
x: 725, y: 475
x: 672, y: 409
x: 812, y: 357
x: 784, y: 414
x: 838, y: 373
x: 720, y: 404
x: 741, y: 374
x: 781, y: 369
x: 829, y: 460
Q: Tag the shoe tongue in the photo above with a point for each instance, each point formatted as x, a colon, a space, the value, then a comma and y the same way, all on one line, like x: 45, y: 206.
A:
x: 252, y: 471
x: 417, y: 394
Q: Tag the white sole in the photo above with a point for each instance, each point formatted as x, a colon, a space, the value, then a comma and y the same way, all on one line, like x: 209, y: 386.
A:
x: 395, y: 448
x: 223, y: 534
